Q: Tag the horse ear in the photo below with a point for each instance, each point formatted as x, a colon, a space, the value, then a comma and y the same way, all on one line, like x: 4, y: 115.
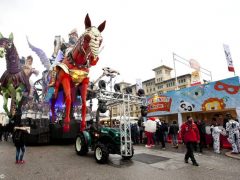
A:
x: 11, y: 36
x: 1, y: 36
x: 101, y: 26
x: 87, y: 22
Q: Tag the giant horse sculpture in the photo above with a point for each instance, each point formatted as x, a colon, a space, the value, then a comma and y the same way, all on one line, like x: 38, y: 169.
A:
x: 13, y: 81
x: 73, y: 71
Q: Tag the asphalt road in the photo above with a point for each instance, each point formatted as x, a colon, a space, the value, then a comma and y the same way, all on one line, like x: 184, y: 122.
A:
x: 61, y: 162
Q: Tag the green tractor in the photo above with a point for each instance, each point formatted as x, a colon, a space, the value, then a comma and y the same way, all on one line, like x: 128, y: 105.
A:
x: 103, y: 141
x: 106, y: 140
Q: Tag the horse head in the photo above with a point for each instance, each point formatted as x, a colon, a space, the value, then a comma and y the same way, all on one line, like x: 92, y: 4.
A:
x: 6, y: 45
x: 86, y: 50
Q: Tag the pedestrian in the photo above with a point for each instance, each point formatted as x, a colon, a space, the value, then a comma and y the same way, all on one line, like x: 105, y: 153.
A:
x: 19, y: 136
x: 6, y: 132
x: 202, y: 132
x: 1, y: 131
x: 216, y: 137
x: 157, y: 133
x: 162, y: 129
x: 141, y: 129
x: 173, y: 131
x: 232, y: 128
x: 190, y: 136
x: 165, y: 129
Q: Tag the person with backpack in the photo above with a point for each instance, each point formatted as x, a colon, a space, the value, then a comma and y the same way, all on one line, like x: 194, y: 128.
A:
x: 19, y: 136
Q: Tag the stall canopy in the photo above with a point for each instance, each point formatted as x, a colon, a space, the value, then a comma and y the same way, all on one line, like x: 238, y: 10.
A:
x: 213, y: 96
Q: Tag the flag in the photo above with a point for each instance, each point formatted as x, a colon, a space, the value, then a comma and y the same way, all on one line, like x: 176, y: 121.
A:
x: 228, y: 57
x: 194, y: 64
x: 138, y: 84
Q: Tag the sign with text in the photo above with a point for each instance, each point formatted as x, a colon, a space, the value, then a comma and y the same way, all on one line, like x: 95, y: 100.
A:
x: 159, y: 103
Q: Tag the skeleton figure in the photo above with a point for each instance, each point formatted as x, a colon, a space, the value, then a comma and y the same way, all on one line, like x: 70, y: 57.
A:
x: 232, y: 127
x: 216, y: 138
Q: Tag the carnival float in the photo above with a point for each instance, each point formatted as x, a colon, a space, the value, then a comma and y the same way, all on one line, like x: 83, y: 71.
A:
x: 55, y: 106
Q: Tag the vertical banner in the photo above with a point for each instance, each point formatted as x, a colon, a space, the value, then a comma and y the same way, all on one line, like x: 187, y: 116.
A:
x: 179, y: 119
x: 228, y: 57
x: 138, y: 84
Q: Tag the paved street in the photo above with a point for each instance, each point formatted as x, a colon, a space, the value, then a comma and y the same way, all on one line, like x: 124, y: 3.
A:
x: 61, y: 162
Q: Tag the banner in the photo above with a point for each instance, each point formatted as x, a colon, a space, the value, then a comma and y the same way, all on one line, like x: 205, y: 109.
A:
x: 228, y: 57
x: 159, y: 103
x: 195, y: 78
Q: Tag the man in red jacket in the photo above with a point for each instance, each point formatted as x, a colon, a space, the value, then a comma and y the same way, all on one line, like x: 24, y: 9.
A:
x: 190, y: 136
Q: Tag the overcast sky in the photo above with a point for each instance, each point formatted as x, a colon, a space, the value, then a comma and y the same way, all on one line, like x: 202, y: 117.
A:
x: 139, y: 34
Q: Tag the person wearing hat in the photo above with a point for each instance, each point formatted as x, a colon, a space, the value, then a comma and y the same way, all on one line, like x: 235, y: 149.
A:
x: 73, y: 37
x: 232, y: 128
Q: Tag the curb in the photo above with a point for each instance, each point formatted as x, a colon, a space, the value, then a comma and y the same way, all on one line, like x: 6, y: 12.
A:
x: 235, y: 156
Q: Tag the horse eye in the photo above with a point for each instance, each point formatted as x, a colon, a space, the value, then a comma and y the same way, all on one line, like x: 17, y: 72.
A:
x: 9, y: 45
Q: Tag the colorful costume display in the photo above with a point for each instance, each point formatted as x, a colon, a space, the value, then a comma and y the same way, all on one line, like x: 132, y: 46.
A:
x: 150, y: 129
x: 72, y: 72
x: 232, y: 128
x: 14, y: 80
x: 216, y: 138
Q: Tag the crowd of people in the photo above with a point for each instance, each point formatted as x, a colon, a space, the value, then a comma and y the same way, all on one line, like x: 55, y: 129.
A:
x: 157, y: 132
x: 5, y: 132
x: 193, y: 133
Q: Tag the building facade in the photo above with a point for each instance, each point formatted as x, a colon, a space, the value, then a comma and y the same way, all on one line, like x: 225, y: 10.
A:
x: 161, y: 83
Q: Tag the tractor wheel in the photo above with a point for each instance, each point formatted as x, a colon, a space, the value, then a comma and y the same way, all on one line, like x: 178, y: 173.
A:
x: 128, y: 157
x: 101, y: 153
x: 81, y: 145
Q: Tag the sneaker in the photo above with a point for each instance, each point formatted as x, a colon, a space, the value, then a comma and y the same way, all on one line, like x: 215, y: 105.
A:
x: 185, y: 160
x: 17, y: 162
x: 195, y: 164
x: 148, y: 146
x: 152, y: 145
x: 22, y: 162
x: 163, y: 148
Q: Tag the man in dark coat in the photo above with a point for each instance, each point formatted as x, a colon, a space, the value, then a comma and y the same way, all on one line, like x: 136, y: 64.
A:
x: 202, y: 132
x: 173, y: 131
